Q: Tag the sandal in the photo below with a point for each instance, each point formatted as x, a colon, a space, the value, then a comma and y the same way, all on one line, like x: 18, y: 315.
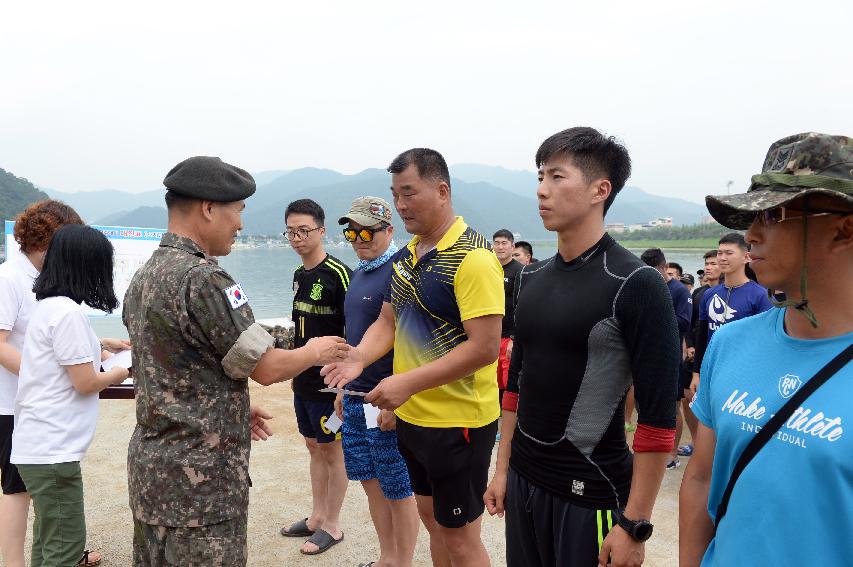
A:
x: 299, y: 529
x: 87, y: 561
x: 323, y: 540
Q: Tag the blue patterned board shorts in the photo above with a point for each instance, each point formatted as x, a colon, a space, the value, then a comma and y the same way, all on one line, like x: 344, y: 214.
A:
x: 372, y: 453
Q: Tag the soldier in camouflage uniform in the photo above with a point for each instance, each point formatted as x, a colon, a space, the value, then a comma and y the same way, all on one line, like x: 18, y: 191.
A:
x: 195, y: 343
x: 791, y: 504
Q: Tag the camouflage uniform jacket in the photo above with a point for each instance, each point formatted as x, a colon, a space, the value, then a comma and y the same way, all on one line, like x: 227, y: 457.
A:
x: 195, y: 343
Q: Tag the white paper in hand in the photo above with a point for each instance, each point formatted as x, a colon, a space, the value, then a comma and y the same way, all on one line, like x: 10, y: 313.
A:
x: 122, y: 360
x: 333, y: 423
x: 371, y: 413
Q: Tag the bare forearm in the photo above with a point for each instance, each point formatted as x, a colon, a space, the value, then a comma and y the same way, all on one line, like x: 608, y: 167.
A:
x: 88, y: 381
x: 645, y: 483
x: 508, y: 421
x: 10, y: 358
x: 377, y: 341
x: 695, y: 529
x: 279, y: 365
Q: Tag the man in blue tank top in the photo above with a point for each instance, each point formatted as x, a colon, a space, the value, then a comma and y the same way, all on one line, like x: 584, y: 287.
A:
x: 371, y: 454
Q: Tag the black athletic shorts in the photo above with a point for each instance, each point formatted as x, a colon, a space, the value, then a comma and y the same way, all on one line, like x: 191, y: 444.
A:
x: 311, y: 416
x: 451, y: 465
x: 544, y: 529
x: 9, y: 477
x: 685, y: 376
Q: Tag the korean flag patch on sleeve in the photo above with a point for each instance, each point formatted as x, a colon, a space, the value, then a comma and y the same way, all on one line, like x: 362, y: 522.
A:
x: 235, y: 296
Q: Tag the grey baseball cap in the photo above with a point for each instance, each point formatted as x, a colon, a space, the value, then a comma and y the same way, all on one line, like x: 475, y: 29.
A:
x: 368, y: 211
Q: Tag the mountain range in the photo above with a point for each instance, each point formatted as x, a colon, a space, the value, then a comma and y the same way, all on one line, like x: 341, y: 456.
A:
x: 16, y: 193
x: 489, y: 197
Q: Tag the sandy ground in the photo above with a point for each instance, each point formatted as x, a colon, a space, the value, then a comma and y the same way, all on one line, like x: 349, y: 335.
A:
x: 281, y: 494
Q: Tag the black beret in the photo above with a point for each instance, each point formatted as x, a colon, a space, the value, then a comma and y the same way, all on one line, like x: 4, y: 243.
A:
x: 211, y: 179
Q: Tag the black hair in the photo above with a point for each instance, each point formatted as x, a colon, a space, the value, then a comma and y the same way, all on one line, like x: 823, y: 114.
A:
x: 429, y: 163
x: 595, y: 154
x: 504, y: 233
x: 526, y: 245
x: 653, y: 257
x: 676, y: 266
x: 306, y: 207
x: 735, y: 238
x: 709, y: 254
x: 79, y: 265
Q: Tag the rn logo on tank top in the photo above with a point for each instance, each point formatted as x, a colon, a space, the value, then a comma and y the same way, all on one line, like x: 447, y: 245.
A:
x: 788, y: 384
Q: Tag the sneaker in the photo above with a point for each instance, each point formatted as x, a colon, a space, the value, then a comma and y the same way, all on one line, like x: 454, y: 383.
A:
x: 685, y: 450
x: 673, y: 464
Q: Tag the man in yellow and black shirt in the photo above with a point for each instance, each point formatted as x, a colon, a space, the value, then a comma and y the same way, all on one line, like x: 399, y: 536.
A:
x: 442, y: 314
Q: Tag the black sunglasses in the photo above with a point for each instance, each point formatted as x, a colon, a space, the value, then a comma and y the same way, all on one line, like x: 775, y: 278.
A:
x: 365, y: 234
x: 782, y: 214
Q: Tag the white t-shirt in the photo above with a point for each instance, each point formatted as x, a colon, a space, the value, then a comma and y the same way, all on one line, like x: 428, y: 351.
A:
x: 54, y: 423
x: 17, y: 301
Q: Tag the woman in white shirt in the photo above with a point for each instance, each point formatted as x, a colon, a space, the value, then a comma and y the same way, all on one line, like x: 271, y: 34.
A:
x: 56, y: 406
x: 34, y: 228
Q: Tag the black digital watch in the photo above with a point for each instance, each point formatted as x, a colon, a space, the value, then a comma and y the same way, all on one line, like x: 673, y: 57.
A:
x: 640, y: 530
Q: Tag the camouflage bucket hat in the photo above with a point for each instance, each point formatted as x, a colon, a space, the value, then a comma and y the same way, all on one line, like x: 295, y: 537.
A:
x: 803, y: 164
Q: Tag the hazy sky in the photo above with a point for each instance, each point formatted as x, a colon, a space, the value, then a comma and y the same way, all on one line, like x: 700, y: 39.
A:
x: 97, y: 95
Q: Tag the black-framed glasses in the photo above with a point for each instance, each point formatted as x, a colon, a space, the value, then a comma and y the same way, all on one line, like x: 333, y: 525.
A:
x: 299, y: 233
x: 782, y: 214
x: 365, y: 234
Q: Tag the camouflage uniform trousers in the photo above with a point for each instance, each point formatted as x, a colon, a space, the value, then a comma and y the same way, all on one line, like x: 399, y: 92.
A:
x: 217, y: 545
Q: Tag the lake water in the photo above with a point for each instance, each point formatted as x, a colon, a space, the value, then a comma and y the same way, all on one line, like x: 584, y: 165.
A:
x: 266, y: 275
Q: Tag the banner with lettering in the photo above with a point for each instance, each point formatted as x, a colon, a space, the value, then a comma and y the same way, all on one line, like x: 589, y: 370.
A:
x: 133, y: 247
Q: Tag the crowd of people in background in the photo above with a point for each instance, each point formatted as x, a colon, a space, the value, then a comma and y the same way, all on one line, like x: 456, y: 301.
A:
x: 407, y: 369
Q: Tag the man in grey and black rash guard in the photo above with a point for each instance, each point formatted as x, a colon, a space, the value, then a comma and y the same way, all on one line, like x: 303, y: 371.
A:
x: 590, y: 322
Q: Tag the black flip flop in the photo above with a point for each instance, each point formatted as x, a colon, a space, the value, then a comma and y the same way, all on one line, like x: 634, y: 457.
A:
x: 323, y: 540
x: 298, y: 529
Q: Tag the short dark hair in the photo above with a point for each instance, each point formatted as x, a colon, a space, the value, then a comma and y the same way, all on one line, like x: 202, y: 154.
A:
x: 676, y: 266
x: 429, y: 163
x: 78, y: 265
x: 653, y: 257
x: 504, y: 233
x: 306, y: 207
x: 526, y: 245
x: 709, y: 254
x: 595, y: 154
x: 735, y: 238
